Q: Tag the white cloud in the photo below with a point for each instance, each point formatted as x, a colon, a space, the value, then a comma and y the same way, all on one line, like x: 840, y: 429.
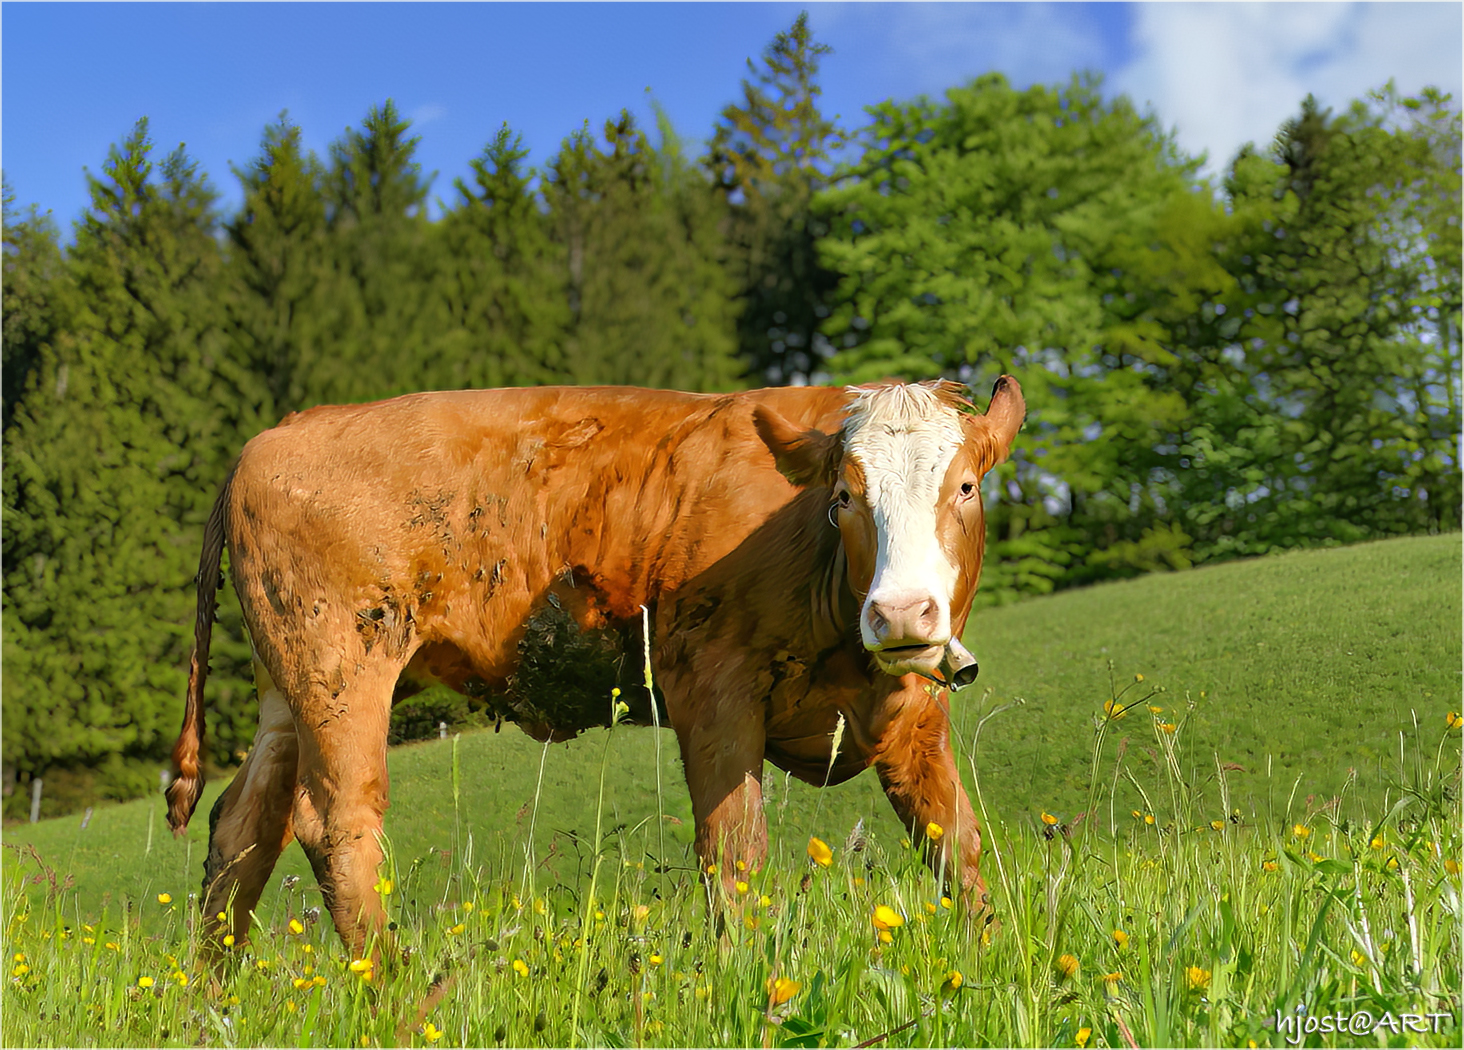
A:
x: 926, y: 48
x: 1224, y: 74
x: 426, y: 114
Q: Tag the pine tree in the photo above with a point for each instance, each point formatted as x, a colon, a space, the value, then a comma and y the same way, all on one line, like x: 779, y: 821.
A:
x: 111, y: 465
x: 769, y: 155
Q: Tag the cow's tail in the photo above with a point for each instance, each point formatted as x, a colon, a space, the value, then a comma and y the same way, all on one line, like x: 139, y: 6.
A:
x: 186, y: 786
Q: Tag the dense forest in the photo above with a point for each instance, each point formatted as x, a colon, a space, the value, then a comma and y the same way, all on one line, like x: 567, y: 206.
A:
x: 1214, y: 367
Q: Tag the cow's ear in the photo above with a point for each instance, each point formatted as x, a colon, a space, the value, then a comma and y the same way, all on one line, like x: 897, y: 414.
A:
x: 1005, y: 414
x: 804, y: 457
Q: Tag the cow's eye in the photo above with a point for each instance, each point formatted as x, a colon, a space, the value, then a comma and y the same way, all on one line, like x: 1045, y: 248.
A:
x: 844, y: 498
x: 968, y: 489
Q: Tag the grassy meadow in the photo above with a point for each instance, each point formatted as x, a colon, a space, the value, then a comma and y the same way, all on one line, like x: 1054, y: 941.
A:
x: 1210, y: 798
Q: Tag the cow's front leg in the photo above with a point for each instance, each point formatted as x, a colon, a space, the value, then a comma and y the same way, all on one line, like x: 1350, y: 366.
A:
x: 722, y: 743
x: 913, y: 758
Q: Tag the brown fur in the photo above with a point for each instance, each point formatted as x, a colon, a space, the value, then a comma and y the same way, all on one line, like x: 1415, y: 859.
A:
x: 414, y: 539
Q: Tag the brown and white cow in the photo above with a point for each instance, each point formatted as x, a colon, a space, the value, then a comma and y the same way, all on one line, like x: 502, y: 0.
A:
x: 803, y: 553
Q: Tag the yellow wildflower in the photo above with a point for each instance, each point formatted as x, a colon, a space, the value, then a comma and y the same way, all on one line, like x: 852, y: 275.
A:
x: 384, y: 886
x: 454, y: 930
x: 144, y: 982
x: 1112, y: 978
x: 165, y: 898
x: 819, y: 852
x: 1084, y: 1034
x: 1066, y: 965
x: 1121, y: 939
x: 946, y: 902
x: 1168, y: 727
x: 1198, y: 979
x: 1113, y: 709
x: 781, y: 989
x: 1453, y: 720
x: 228, y: 940
x: 953, y: 980
x: 1301, y: 831
x: 1148, y: 818
x: 1138, y: 678
x: 1156, y: 709
x: 934, y: 831
x: 1378, y: 842
x: 741, y: 887
x: 431, y: 1032
x: 1451, y: 865
x: 886, y: 918
x: 657, y: 959
x: 521, y: 968
x: 1048, y: 818
x: 1217, y: 825
x: 1269, y: 865
x: 296, y: 926
x: 765, y: 901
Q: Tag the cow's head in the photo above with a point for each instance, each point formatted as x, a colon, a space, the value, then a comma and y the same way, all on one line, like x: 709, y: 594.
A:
x: 904, y: 477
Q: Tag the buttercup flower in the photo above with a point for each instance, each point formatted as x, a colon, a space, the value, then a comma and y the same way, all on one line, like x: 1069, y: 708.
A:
x: 1121, y: 939
x: 1301, y: 831
x: 952, y: 981
x: 781, y: 990
x: 430, y: 1032
x: 165, y: 898
x: 1198, y: 979
x: 1453, y: 720
x: 934, y: 831
x: 1084, y: 1034
x: 886, y: 918
x: 1048, y: 818
x: 144, y: 982
x: 1114, y: 709
x: 1066, y: 965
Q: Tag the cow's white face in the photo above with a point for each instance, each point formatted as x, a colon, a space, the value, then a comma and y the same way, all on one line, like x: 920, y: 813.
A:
x: 905, y: 477
x: 908, y: 507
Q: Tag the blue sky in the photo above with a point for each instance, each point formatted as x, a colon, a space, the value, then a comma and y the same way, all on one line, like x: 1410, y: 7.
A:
x: 75, y: 77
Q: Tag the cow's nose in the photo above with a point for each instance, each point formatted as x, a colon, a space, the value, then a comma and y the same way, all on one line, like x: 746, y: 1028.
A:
x: 904, y: 621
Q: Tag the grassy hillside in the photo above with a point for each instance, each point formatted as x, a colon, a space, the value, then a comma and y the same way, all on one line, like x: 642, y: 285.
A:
x: 1304, y: 666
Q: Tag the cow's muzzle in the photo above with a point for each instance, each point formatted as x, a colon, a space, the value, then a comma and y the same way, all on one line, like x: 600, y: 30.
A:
x: 958, y: 667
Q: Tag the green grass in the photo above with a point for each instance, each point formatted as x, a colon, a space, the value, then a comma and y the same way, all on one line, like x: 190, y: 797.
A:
x: 1309, y: 665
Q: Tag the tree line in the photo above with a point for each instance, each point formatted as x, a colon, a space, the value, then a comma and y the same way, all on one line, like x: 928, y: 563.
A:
x: 1214, y: 368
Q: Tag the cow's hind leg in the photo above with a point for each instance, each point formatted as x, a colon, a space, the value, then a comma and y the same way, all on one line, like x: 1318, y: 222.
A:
x: 250, y: 824
x: 341, y: 801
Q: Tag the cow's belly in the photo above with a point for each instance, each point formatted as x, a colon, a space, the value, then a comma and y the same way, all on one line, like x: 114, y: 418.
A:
x: 554, y: 681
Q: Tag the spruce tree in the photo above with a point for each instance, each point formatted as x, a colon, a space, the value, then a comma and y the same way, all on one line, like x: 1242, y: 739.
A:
x: 769, y: 155
x: 32, y: 290
x: 649, y: 302
x: 386, y: 322
x: 111, y: 466
x: 279, y: 305
x: 502, y: 279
